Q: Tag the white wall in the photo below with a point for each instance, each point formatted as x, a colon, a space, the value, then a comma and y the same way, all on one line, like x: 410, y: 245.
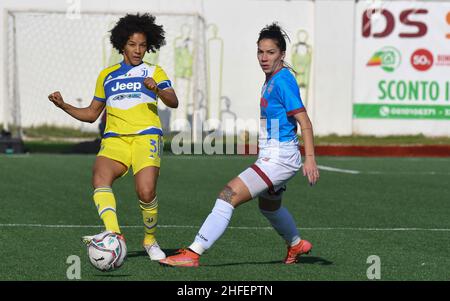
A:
x: 330, y: 23
x: 333, y: 71
x: 239, y: 23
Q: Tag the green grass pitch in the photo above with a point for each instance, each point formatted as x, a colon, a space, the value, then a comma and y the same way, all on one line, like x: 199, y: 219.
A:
x: 395, y: 208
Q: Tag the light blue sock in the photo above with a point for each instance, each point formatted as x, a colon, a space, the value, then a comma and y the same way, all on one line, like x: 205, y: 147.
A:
x: 283, y: 222
x: 213, y: 227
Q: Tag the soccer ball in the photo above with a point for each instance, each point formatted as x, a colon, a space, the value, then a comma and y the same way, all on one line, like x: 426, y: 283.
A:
x: 107, y: 251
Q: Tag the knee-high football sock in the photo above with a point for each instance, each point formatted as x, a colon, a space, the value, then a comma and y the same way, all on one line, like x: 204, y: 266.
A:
x: 283, y: 222
x: 150, y: 218
x: 213, y: 227
x: 106, y: 206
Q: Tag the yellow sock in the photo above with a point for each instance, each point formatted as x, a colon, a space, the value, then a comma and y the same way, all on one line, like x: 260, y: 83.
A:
x: 106, y: 206
x: 150, y: 218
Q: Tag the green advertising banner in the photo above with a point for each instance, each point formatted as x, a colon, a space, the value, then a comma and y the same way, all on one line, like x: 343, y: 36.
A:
x: 390, y: 111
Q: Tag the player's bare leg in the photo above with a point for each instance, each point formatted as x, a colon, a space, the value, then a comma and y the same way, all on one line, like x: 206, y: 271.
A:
x: 235, y: 193
x: 106, y: 171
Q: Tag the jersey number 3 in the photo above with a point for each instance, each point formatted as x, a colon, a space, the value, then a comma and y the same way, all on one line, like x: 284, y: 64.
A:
x: 154, y: 149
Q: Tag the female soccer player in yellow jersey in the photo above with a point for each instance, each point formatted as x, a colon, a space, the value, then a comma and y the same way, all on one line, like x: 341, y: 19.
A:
x: 129, y: 92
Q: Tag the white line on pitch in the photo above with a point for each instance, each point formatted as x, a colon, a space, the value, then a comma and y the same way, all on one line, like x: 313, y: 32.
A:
x: 350, y: 171
x: 431, y: 173
x: 234, y: 227
x: 328, y: 168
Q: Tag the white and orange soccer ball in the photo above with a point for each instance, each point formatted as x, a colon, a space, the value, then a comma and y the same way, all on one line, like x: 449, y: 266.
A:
x: 107, y: 251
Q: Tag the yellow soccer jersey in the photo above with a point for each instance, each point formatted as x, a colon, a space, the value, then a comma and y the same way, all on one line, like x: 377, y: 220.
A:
x: 131, y: 108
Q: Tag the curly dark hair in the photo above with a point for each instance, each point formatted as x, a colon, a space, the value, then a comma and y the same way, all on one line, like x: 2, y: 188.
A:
x: 131, y: 24
x: 276, y: 33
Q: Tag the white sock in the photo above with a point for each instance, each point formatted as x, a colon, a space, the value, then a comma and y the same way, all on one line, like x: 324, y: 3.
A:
x: 283, y: 222
x: 213, y: 227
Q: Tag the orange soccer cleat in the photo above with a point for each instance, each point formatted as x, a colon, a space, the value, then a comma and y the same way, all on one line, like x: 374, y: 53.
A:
x: 184, y: 258
x: 303, y: 247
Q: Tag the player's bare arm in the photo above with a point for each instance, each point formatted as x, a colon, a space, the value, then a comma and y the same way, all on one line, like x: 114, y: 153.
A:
x: 168, y: 96
x: 309, y: 165
x: 87, y: 114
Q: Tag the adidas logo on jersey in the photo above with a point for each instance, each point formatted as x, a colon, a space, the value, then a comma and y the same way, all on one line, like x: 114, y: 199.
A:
x: 129, y: 86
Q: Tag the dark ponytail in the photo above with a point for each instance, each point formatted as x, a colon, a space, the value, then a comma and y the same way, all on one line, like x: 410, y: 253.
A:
x: 276, y: 33
x: 279, y: 36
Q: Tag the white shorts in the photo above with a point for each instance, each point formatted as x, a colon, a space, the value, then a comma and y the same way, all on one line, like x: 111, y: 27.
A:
x: 267, y: 178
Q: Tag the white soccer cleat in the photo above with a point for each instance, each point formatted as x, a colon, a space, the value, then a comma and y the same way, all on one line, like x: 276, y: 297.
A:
x: 88, y: 238
x: 154, y: 251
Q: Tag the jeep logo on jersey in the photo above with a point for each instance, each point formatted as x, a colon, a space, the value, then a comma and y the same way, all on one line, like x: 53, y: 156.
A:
x: 130, y: 86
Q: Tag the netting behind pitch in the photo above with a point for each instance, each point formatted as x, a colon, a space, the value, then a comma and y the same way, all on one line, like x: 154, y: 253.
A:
x: 47, y: 51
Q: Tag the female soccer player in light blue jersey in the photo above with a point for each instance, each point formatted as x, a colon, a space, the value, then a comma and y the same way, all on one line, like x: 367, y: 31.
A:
x: 279, y: 159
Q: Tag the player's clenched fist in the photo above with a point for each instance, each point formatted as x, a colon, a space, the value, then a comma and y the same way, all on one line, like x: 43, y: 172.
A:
x: 150, y: 84
x: 56, y: 98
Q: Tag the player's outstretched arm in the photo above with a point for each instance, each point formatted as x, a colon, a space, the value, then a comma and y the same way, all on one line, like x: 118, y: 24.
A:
x: 309, y: 165
x: 168, y: 96
x: 88, y: 114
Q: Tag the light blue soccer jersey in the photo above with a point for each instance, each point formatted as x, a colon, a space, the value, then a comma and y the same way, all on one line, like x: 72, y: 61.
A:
x: 280, y: 101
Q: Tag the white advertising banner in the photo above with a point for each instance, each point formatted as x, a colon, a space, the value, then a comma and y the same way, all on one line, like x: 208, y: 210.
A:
x: 402, y: 63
